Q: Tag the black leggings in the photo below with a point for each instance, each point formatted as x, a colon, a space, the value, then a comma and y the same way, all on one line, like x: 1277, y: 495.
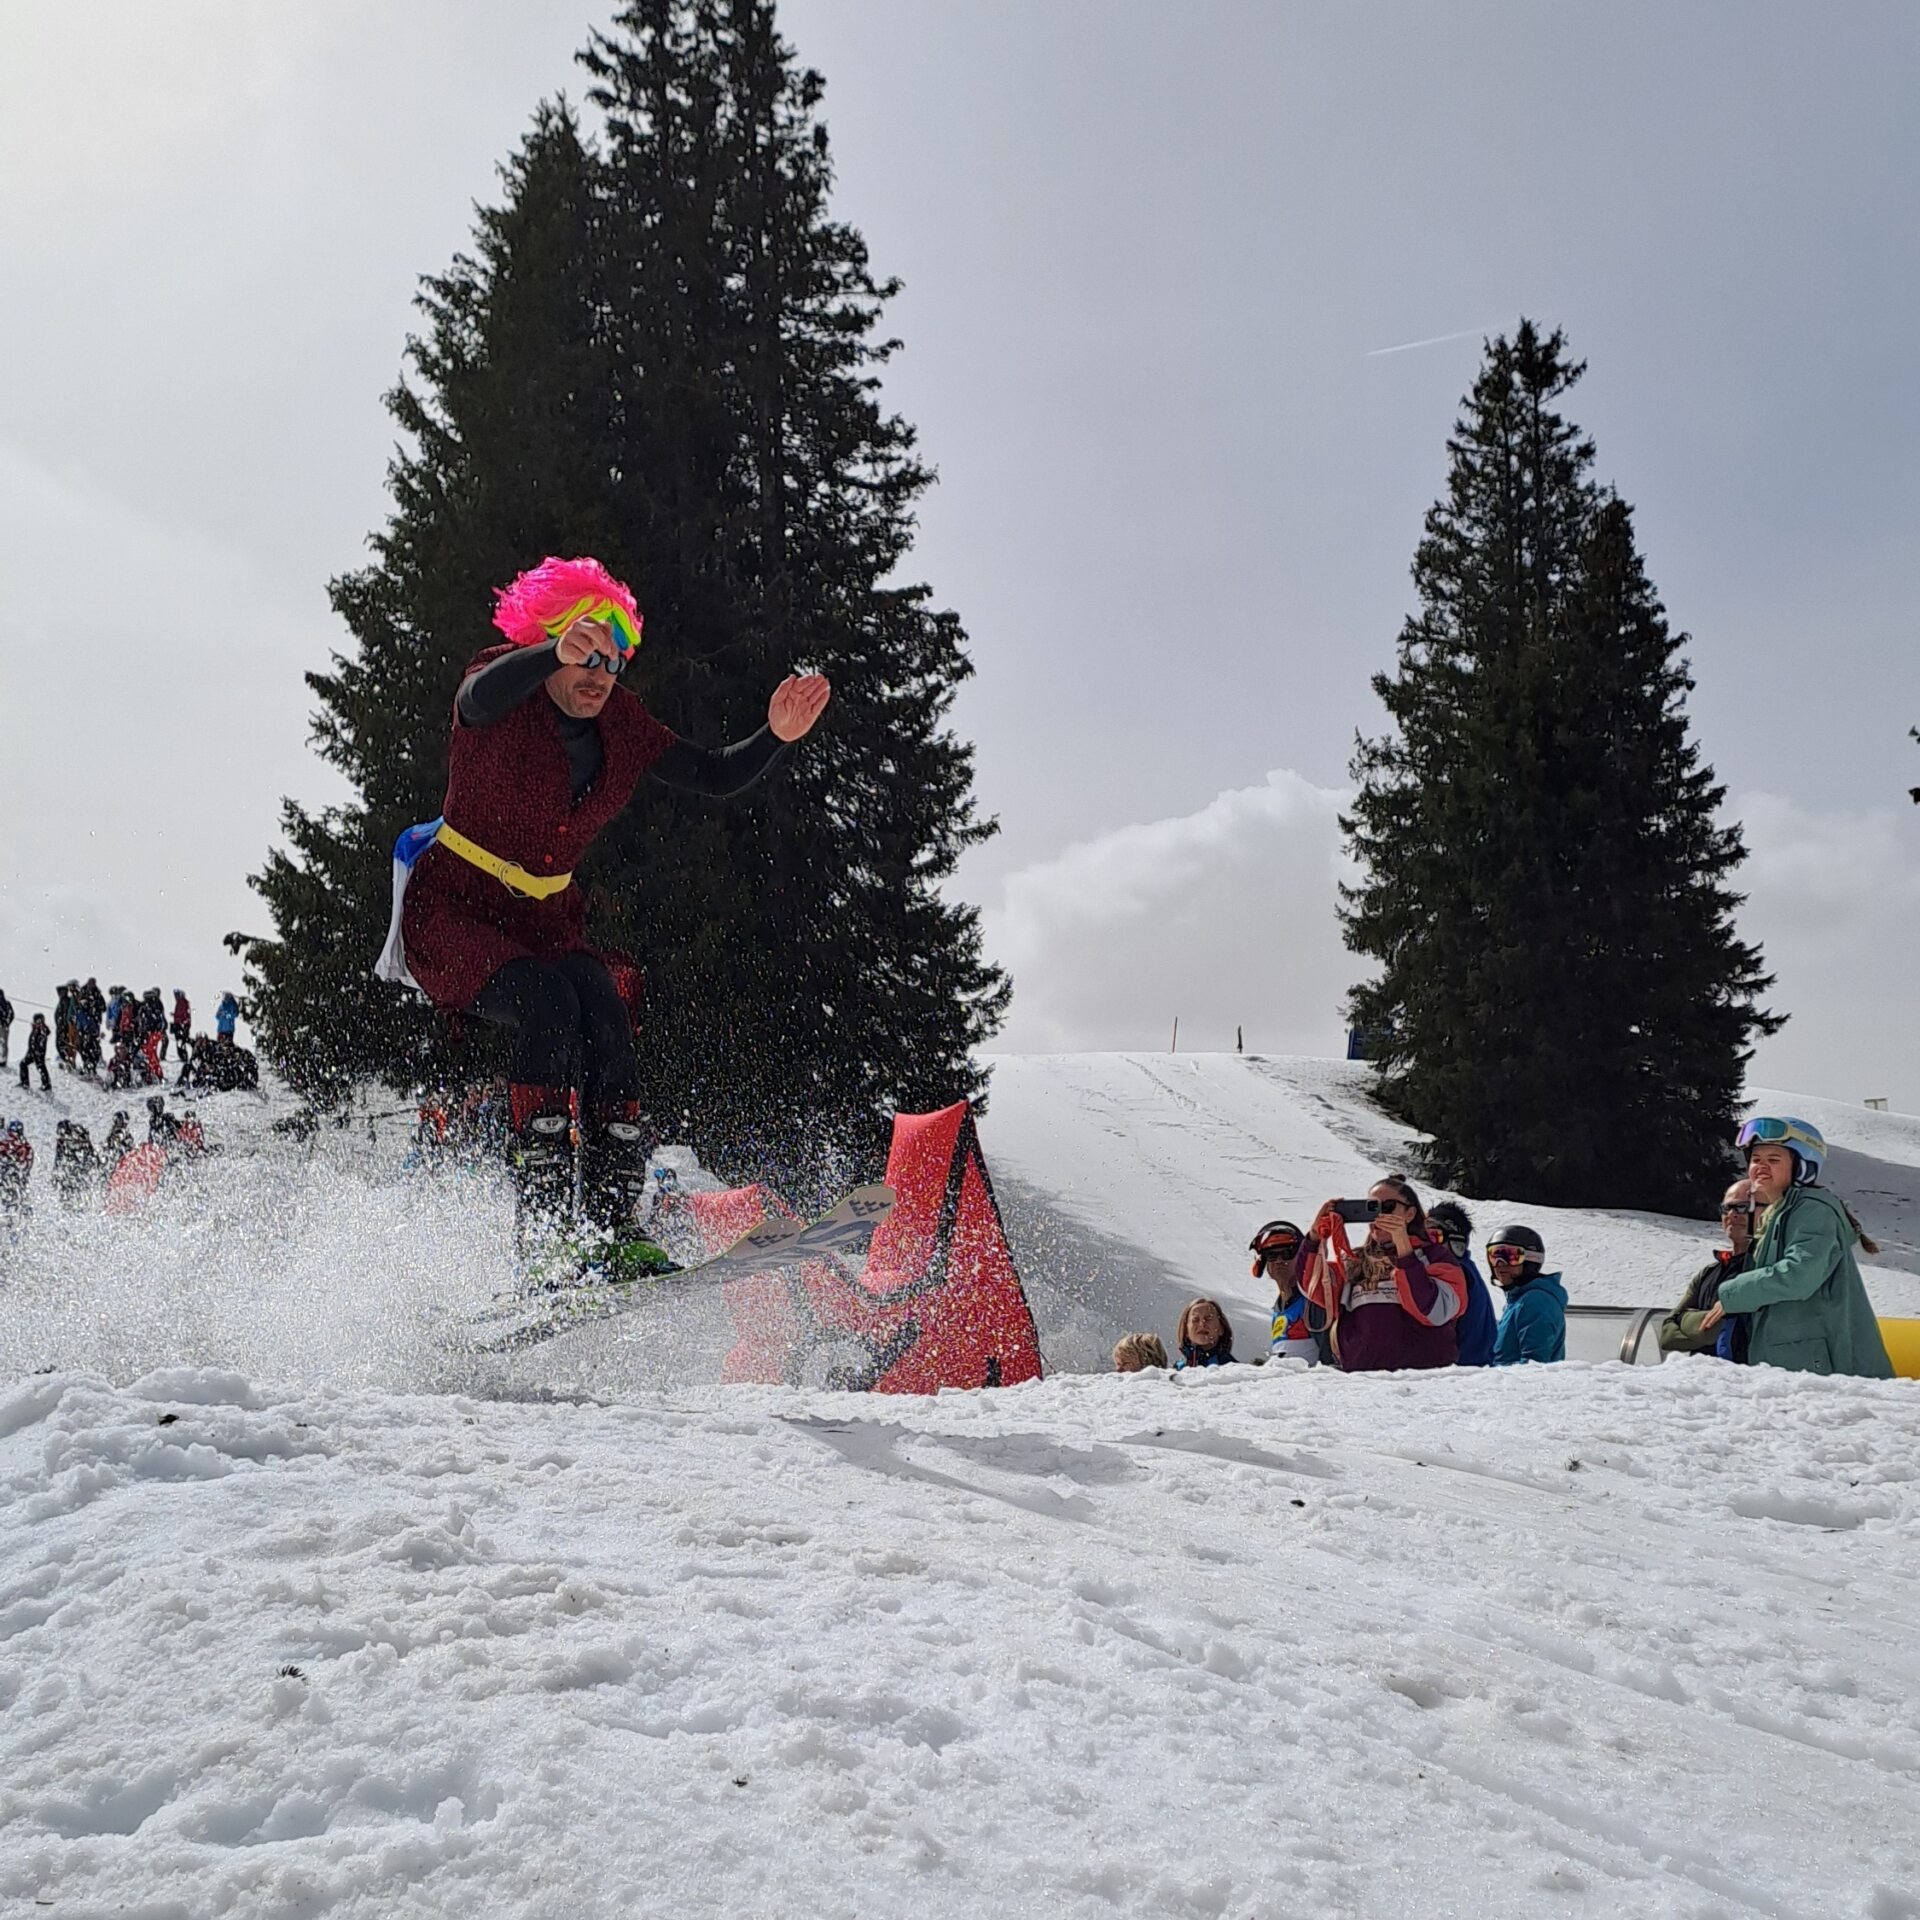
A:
x: 569, y: 1021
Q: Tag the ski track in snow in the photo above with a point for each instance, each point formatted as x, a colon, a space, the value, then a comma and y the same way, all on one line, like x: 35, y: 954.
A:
x: 1562, y: 1642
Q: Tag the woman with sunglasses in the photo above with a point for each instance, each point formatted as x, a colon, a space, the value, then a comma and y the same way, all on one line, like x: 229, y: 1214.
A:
x: 1395, y: 1300
x: 546, y: 750
x: 1809, y: 1306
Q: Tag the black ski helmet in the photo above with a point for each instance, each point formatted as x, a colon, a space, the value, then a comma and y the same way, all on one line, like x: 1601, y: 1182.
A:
x: 1526, y: 1237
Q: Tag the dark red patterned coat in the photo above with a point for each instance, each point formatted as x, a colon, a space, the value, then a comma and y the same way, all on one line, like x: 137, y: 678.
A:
x: 508, y: 790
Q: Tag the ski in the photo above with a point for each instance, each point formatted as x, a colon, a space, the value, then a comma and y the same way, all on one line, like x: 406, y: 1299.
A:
x: 845, y: 1229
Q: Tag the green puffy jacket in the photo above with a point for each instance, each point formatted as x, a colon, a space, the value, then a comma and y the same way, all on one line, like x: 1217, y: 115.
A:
x: 1810, y: 1311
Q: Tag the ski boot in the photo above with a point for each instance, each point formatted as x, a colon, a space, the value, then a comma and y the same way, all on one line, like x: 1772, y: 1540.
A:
x: 540, y: 1158
x: 613, y: 1174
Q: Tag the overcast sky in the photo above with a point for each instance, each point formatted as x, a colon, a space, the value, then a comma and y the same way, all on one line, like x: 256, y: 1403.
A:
x: 1157, y: 259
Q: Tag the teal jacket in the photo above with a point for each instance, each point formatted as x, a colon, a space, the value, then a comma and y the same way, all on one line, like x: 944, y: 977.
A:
x: 1810, y: 1309
x: 1534, y: 1326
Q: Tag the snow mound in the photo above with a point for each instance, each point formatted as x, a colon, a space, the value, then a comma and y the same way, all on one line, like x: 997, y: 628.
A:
x: 1558, y: 1642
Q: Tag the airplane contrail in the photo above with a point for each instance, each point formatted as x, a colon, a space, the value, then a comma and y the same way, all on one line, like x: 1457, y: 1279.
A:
x: 1438, y: 340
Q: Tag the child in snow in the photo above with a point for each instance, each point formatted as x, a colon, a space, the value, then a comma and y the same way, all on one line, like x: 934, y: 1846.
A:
x: 1203, y: 1336
x: 1298, y: 1329
x: 1135, y: 1352
x: 16, y: 1169
x: 76, y: 1166
x: 1534, y: 1326
x: 36, y: 1053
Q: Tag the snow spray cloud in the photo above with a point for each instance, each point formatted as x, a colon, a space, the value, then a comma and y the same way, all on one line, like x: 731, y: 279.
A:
x: 268, y: 1262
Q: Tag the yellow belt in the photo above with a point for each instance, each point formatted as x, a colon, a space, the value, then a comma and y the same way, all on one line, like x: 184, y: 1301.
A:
x: 515, y: 878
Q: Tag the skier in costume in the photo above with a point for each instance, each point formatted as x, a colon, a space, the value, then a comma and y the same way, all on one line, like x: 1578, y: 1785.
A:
x: 546, y: 750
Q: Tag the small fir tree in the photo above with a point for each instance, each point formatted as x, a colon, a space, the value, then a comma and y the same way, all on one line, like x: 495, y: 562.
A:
x: 1563, y: 1003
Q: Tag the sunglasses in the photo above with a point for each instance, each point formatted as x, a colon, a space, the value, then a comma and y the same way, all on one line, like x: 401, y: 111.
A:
x: 1505, y: 1256
x: 1735, y: 1213
x: 620, y: 629
x: 1388, y: 1206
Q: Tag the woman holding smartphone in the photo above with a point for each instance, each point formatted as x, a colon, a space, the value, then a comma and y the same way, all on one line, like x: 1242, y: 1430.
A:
x: 1394, y: 1301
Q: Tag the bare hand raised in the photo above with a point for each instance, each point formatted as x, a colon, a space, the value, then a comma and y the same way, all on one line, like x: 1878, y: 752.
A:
x: 798, y: 701
x: 583, y: 640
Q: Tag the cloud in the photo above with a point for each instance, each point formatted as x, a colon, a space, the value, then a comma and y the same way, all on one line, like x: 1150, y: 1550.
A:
x: 151, y: 683
x: 1224, y: 917
x: 1834, y: 899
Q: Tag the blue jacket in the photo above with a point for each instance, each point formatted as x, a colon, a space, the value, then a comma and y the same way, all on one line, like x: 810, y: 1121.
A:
x: 227, y: 1016
x: 1219, y: 1356
x: 1534, y: 1326
x: 1476, y: 1325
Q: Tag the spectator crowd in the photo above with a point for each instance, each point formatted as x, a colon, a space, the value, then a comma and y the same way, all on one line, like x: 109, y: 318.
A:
x: 1386, y: 1283
x: 122, y: 1039
x: 117, y: 1040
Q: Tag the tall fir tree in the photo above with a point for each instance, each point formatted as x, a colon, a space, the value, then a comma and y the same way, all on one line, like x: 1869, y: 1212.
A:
x: 1563, y: 1002
x: 665, y: 352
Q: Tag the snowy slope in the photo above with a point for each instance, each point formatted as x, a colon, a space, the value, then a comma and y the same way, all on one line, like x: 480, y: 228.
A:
x: 1132, y: 1182
x: 292, y: 1622
x: 1560, y: 1642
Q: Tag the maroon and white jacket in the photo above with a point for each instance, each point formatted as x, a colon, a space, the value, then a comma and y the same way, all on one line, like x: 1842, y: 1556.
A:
x: 1409, y: 1318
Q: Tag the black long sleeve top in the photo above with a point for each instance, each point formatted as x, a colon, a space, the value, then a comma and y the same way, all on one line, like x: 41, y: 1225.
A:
x: 497, y: 688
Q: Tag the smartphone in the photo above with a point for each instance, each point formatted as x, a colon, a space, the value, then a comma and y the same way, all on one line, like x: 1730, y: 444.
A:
x: 1358, y: 1212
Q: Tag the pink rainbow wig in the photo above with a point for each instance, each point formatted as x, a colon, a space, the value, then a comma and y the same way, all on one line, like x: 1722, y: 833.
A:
x: 544, y: 601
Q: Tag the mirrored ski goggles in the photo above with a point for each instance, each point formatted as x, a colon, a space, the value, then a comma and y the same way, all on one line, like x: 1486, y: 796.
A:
x: 1509, y: 1256
x: 1769, y: 1132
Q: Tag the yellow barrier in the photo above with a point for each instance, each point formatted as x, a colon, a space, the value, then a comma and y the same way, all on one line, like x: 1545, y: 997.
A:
x: 1903, y: 1346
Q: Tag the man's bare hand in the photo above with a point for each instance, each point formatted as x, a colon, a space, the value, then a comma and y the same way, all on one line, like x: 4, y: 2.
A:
x: 584, y: 639
x: 798, y: 701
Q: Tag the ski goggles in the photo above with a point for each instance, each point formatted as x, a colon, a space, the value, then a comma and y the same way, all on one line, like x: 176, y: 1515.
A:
x: 1505, y: 1255
x: 1765, y: 1131
x: 1278, y: 1246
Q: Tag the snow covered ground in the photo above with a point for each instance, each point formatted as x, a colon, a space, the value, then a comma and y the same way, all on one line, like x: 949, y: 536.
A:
x: 1561, y: 1642
x: 298, y: 1616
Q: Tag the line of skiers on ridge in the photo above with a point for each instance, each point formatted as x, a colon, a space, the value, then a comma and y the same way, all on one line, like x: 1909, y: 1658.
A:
x: 120, y: 1039
x: 1785, y: 1292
